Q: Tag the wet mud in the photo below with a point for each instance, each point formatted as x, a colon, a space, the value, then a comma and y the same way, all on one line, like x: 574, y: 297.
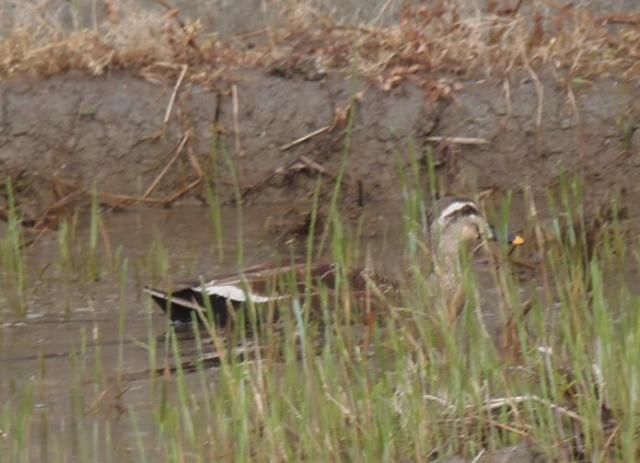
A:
x: 109, y: 133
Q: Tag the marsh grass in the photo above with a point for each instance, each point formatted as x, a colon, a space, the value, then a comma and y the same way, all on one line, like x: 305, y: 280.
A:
x: 14, y: 276
x: 418, y: 387
x: 449, y: 36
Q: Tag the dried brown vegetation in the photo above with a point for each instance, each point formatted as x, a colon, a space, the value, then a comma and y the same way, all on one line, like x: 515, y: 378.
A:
x: 434, y: 37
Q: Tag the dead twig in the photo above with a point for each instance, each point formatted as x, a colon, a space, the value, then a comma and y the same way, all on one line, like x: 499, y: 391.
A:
x: 633, y: 19
x: 503, y: 426
x: 116, y: 200
x: 171, y: 199
x: 539, y: 89
x: 236, y: 119
x: 304, y: 138
x: 46, y: 220
x: 459, y: 140
x: 507, y: 96
x: 109, y: 199
x: 500, y: 402
x: 477, y: 458
x: 55, y: 207
x: 194, y: 162
x: 164, y: 171
x: 298, y: 164
x: 611, y: 437
x: 340, y: 119
x: 303, y: 162
x: 172, y: 100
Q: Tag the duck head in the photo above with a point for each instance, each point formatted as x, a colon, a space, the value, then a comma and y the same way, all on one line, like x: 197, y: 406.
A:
x: 457, y: 222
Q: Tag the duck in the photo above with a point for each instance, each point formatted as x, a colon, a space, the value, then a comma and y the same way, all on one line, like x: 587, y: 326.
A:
x: 454, y: 223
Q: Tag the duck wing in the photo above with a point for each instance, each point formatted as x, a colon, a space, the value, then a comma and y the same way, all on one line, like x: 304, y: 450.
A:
x: 263, y: 284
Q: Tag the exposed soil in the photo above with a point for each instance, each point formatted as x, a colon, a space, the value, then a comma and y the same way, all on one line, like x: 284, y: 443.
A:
x: 158, y: 103
x: 108, y: 133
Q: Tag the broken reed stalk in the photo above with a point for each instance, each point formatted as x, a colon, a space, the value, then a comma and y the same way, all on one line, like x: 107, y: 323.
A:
x: 297, y: 164
x: 195, y: 164
x: 236, y: 119
x: 304, y: 138
x: 164, y: 171
x: 459, y: 140
x: 172, y: 100
x: 180, y: 193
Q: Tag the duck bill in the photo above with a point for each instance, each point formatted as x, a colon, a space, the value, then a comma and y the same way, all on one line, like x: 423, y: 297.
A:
x: 512, y: 239
x: 515, y: 239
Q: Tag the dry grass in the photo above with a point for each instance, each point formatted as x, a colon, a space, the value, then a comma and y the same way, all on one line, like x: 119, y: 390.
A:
x: 438, y: 37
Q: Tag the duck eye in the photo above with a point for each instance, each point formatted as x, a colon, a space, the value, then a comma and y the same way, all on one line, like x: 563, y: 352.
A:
x: 468, y: 210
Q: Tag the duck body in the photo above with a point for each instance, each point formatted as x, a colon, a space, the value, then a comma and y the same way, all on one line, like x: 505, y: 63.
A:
x: 455, y: 224
x: 268, y: 284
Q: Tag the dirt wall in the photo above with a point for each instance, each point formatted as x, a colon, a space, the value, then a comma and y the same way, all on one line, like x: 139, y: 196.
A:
x: 110, y: 132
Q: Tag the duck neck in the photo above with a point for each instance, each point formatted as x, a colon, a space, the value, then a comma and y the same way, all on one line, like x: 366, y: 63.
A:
x: 447, y: 276
x: 448, y: 268
x: 446, y: 251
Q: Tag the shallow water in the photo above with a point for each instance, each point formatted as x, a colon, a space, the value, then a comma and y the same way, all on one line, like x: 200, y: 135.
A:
x: 89, y: 340
x: 76, y: 332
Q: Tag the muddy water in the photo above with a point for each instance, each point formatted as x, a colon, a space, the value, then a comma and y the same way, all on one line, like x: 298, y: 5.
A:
x: 84, y: 344
x: 76, y: 332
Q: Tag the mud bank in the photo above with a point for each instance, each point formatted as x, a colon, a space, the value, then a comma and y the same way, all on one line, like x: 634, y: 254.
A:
x: 117, y: 134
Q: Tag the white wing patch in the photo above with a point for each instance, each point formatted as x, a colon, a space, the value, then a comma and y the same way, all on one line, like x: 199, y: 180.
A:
x: 452, y: 209
x: 234, y: 293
